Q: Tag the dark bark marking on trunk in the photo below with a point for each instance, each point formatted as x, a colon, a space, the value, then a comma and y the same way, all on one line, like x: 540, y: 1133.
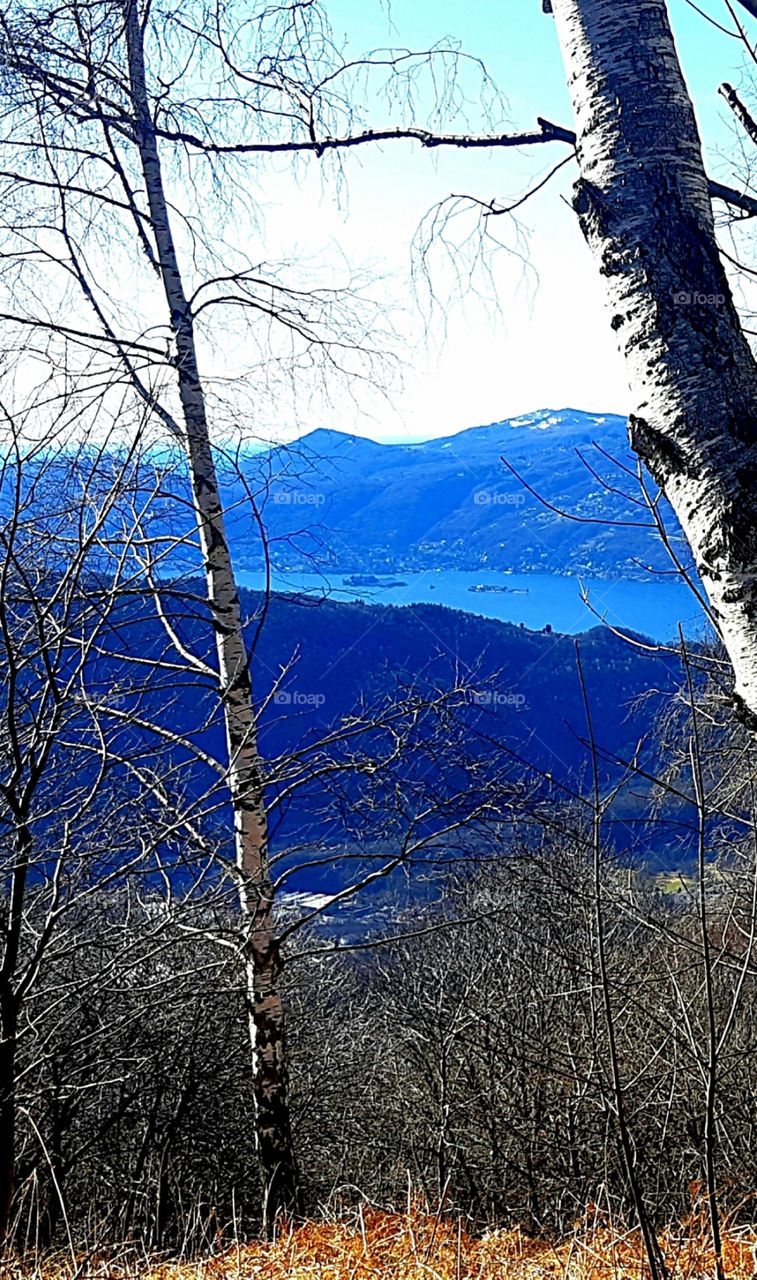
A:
x: 659, y: 453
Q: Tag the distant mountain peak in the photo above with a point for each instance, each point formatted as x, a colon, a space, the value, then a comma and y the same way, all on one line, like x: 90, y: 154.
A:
x: 543, y: 418
x: 328, y: 440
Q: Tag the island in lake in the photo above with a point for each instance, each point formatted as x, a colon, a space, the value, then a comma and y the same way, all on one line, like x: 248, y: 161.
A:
x: 487, y: 586
x: 370, y: 580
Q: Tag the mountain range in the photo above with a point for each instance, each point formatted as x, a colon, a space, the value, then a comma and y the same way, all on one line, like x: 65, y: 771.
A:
x: 551, y: 491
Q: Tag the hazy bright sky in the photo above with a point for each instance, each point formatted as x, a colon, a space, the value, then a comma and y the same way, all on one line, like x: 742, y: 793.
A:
x: 551, y: 344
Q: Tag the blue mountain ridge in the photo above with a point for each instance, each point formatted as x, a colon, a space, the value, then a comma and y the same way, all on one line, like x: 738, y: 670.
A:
x: 319, y: 668
x: 340, y: 501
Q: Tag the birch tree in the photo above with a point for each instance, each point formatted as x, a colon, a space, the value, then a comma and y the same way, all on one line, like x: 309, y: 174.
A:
x: 125, y: 122
x: 645, y: 209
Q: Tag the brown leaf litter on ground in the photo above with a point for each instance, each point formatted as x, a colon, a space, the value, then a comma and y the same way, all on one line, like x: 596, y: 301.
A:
x: 375, y: 1245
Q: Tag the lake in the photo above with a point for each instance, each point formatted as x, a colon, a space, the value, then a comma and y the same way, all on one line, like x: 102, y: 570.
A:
x: 653, y: 607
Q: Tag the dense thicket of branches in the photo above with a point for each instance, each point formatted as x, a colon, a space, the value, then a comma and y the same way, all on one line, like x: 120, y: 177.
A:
x: 470, y: 1061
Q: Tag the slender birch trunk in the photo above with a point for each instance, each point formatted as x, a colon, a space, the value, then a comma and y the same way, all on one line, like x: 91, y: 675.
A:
x: 644, y: 208
x: 262, y: 959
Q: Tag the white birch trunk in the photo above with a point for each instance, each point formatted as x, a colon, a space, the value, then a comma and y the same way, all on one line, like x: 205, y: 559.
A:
x: 644, y: 209
x: 263, y: 965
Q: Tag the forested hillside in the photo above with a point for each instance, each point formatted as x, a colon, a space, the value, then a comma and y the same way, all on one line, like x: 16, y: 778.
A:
x: 333, y: 679
x: 489, y: 496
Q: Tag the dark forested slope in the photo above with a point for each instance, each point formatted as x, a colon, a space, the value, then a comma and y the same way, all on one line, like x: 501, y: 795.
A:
x: 341, y: 685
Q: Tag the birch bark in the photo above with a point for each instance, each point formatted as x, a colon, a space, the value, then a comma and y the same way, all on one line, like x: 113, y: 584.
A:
x: 644, y: 209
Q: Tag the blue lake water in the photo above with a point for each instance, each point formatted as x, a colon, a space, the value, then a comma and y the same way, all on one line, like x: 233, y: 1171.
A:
x: 653, y: 607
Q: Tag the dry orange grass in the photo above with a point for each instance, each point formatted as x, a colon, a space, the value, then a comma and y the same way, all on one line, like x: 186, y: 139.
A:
x: 420, y: 1246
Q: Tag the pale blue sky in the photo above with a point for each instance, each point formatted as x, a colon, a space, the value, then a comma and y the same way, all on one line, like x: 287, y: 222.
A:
x: 550, y: 345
